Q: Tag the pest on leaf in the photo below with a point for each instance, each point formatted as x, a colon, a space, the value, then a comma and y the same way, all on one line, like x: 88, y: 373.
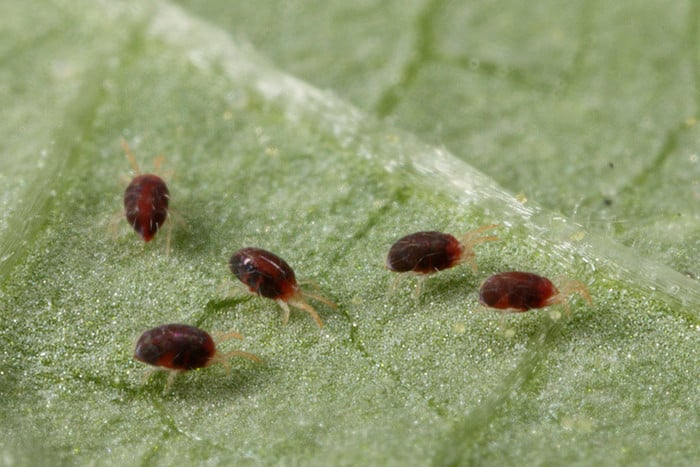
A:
x: 523, y: 291
x: 146, y: 200
x: 429, y: 252
x: 269, y: 276
x: 180, y: 347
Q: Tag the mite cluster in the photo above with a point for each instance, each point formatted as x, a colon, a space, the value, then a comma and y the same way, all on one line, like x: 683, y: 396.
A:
x: 425, y: 253
x: 180, y: 347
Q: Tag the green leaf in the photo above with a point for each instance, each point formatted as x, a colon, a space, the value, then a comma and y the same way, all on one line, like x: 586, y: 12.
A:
x: 561, y: 103
x: 261, y: 158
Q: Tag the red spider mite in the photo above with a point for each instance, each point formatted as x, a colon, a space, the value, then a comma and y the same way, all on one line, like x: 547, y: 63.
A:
x: 146, y: 201
x: 269, y: 276
x: 180, y: 347
x: 429, y: 252
x: 523, y: 291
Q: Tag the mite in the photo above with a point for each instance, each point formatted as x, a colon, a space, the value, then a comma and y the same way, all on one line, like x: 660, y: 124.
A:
x: 522, y: 291
x: 269, y: 276
x: 180, y: 347
x: 146, y: 201
x: 430, y: 252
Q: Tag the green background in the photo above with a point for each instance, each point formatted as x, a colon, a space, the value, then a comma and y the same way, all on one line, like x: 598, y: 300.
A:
x: 323, y: 131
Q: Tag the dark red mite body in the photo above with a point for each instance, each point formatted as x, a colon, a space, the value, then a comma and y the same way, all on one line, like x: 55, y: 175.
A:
x: 520, y: 291
x: 146, y: 204
x: 180, y: 347
x: 175, y: 346
x: 430, y: 252
x: 265, y: 273
x: 269, y: 276
x: 424, y: 253
x: 523, y: 291
x: 146, y: 201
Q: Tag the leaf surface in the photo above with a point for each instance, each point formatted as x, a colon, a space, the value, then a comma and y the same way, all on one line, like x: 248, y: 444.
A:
x: 259, y: 157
